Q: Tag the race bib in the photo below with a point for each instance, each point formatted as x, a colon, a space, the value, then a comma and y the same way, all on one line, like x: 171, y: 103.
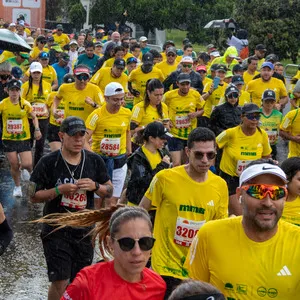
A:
x: 273, y: 136
x: 61, y: 113
x: 14, y: 126
x: 182, y: 122
x: 186, y: 230
x: 39, y: 109
x: 77, y: 200
x: 110, y: 146
x: 241, y: 166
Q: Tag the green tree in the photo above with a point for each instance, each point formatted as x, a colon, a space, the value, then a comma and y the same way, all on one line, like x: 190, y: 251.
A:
x: 77, y: 15
x: 275, y: 25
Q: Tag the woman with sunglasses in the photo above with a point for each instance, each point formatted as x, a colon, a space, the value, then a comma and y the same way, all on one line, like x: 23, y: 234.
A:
x: 36, y: 92
x: 241, y: 145
x: 39, y: 47
x: 149, y: 110
x: 16, y: 133
x: 124, y: 233
x: 291, y: 212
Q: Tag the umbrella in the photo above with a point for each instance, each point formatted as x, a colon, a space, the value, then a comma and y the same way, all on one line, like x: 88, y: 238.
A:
x: 215, y: 24
x: 12, y: 42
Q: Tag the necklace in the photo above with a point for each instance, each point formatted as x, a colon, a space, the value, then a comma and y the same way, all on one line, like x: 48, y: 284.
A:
x: 72, y: 172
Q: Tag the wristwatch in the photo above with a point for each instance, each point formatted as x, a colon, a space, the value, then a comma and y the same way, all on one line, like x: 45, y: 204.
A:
x: 97, y: 187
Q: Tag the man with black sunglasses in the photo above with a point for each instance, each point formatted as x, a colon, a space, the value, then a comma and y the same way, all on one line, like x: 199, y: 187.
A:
x: 170, y: 64
x: 254, y: 255
x: 185, y: 197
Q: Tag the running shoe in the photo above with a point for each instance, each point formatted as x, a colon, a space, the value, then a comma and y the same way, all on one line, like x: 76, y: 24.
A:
x: 17, y: 191
x: 25, y: 175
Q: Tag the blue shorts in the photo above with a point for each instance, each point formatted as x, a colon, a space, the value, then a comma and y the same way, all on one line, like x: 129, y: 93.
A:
x: 176, y: 144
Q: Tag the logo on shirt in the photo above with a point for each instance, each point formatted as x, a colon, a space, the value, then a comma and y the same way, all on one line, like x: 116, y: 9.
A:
x: 194, y: 209
x: 210, y: 203
x: 284, y: 272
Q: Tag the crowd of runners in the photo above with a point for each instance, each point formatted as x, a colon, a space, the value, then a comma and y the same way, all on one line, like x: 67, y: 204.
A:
x: 166, y: 161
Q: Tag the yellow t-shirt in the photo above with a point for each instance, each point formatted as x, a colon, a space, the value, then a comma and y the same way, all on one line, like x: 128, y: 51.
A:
x: 153, y: 158
x: 291, y: 211
x: 15, y: 120
x: 248, y: 77
x: 103, y: 77
x: 34, y: 53
x: 179, y: 108
x: 127, y: 55
x: 61, y: 40
x: 207, y: 81
x: 244, y: 98
x: 271, y: 125
x: 180, y: 213
x: 257, y: 86
x: 143, y: 117
x: 139, y: 78
x: 240, y: 149
x: 49, y: 74
x: 166, y: 68
x: 37, y: 102
x: 291, y: 124
x: 75, y: 99
x: 240, y: 268
x: 109, y: 63
x: 109, y: 130
x: 216, y: 98
x: 60, y: 110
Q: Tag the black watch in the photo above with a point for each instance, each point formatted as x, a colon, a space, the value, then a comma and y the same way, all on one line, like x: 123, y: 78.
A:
x: 97, y: 187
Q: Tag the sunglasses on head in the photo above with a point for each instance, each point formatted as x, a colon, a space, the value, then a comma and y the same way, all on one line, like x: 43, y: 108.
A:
x: 4, y: 77
x: 83, y: 77
x: 233, y: 95
x: 187, y: 65
x: 252, y: 116
x: 145, y: 243
x: 260, y: 191
x: 199, y: 155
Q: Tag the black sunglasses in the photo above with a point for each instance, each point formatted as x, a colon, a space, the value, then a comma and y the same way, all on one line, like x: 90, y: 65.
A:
x: 81, y: 77
x: 199, y: 155
x: 145, y: 243
x: 5, y: 77
x: 233, y: 95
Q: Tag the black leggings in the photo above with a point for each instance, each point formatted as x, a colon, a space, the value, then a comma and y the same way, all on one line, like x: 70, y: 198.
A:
x: 39, y: 144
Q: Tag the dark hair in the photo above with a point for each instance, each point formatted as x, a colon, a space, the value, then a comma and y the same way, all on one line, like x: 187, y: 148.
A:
x: 200, y: 134
x: 134, y: 46
x: 191, y: 287
x: 204, y: 56
x: 125, y: 45
x: 155, y: 53
x: 278, y: 64
x: 262, y: 161
x: 249, y: 59
x: 189, y: 45
x: 151, y: 85
x: 290, y: 167
x: 119, y: 48
x: 40, y: 92
x: 89, y: 45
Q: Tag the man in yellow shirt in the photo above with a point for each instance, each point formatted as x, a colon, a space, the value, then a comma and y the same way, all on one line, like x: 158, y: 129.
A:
x: 185, y: 105
x: 181, y: 211
x: 109, y: 129
x: 104, y: 76
x: 250, y: 257
x: 119, y: 52
x: 170, y: 64
x: 290, y: 130
x: 257, y: 86
x: 260, y: 53
x: 61, y: 38
x: 251, y: 69
x: 80, y: 97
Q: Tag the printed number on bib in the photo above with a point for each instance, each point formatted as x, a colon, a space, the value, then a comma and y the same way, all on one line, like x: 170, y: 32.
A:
x: 186, y: 230
x: 110, y: 146
x: 241, y: 166
x: 77, y: 200
x: 61, y: 113
x: 273, y: 136
x: 182, y: 122
x: 39, y: 108
x: 14, y: 126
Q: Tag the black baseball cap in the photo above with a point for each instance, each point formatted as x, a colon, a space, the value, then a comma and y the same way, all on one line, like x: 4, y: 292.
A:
x: 250, y: 108
x: 260, y: 47
x: 147, y: 59
x: 14, y: 83
x: 214, y: 67
x: 156, y: 129
x: 119, y: 63
x: 237, y: 68
x: 65, y: 56
x: 231, y: 89
x: 269, y: 95
x: 237, y: 79
x: 44, y: 55
x: 184, y: 77
x: 72, y: 125
x: 221, y: 68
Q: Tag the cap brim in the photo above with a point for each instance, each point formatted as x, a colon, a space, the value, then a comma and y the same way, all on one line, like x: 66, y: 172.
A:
x: 238, y: 82
x: 252, y: 112
x: 72, y: 132
x: 185, y: 80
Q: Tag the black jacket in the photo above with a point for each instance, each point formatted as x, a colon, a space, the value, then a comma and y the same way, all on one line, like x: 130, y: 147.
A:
x: 141, y: 175
x: 195, y: 78
x: 225, y: 116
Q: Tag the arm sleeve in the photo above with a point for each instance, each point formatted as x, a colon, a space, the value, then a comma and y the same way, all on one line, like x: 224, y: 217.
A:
x: 155, y: 190
x: 223, y: 138
x: 91, y: 121
x: 137, y: 114
x: 169, y: 81
x: 214, y: 123
x: 222, y: 211
x: 267, y: 150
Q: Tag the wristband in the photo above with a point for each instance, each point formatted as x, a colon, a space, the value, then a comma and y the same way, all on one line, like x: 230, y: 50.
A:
x: 57, y: 192
x: 97, y: 185
x: 37, y: 129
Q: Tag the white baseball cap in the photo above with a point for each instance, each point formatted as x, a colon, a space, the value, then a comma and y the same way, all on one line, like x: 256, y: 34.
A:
x: 113, y: 88
x: 260, y: 169
x: 187, y: 59
x: 143, y: 39
x: 36, y: 67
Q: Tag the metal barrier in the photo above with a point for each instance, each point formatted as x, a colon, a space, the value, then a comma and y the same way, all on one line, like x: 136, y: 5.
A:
x: 290, y: 71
